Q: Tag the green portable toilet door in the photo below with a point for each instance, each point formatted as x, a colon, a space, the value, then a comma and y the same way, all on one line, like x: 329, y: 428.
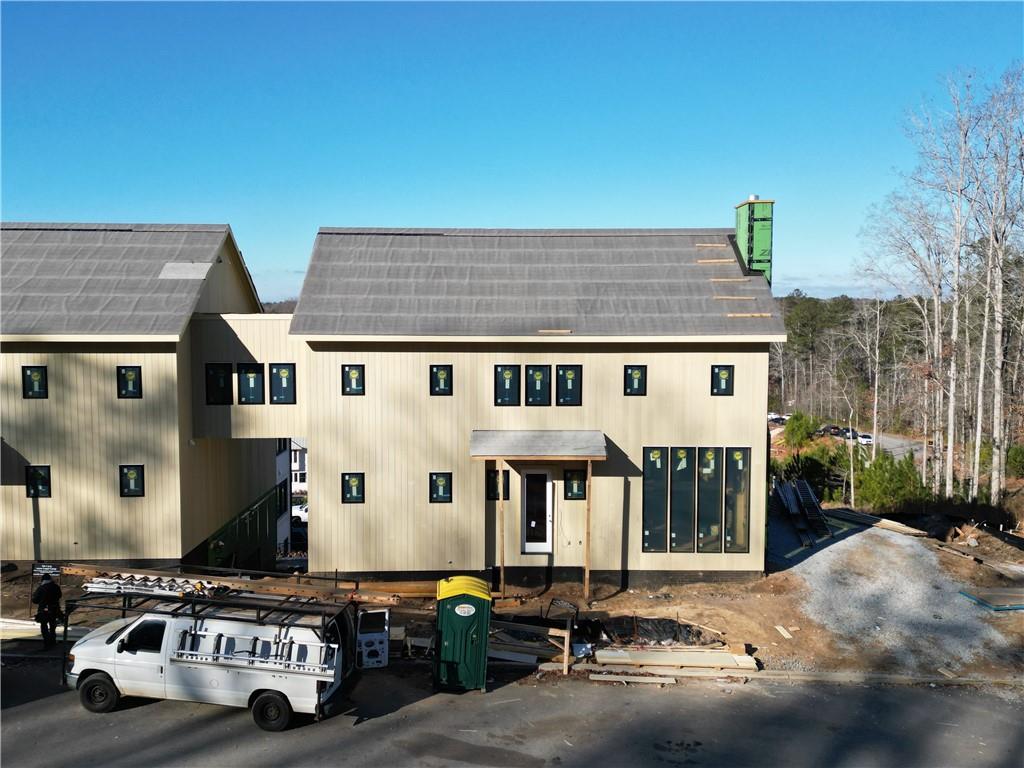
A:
x: 463, y: 624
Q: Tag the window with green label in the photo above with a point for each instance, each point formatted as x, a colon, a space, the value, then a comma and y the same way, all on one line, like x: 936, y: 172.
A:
x: 440, y: 487
x: 133, y: 479
x: 492, y: 484
x: 218, y: 384
x: 353, y: 487
x: 655, y: 499
x: 250, y: 384
x: 37, y: 481
x: 575, y: 485
x: 34, y: 384
x: 129, y: 382
x: 569, y: 385
x: 441, y: 380
x: 506, y: 385
x: 635, y: 384
x: 353, y: 379
x: 737, y: 500
x: 709, y: 500
x: 538, y: 385
x: 682, y: 499
x: 282, y: 383
x: 722, y: 379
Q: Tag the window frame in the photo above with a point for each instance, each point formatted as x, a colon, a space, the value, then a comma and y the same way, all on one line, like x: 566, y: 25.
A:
x: 627, y: 375
x: 530, y: 373
x: 561, y: 381
x: 244, y: 369
x: 121, y: 373
x: 291, y: 369
x: 146, y: 622
x: 729, y: 527
x: 720, y: 504
x: 122, y: 472
x: 346, y: 377
x: 658, y: 507
x: 435, y: 371
x: 680, y: 454
x: 517, y: 377
x: 716, y: 375
x: 345, y: 484
x: 29, y: 485
x: 229, y: 389
x: 448, y: 481
x: 582, y: 474
x: 26, y: 374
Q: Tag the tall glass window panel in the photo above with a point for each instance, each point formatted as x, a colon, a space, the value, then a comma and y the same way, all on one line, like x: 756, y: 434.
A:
x: 506, y: 385
x: 250, y: 384
x: 282, y: 383
x: 441, y: 380
x: 683, y: 500
x: 737, y: 500
x: 655, y: 501
x: 709, y: 500
x: 129, y: 382
x: 569, y: 385
x: 218, y: 384
x: 538, y: 385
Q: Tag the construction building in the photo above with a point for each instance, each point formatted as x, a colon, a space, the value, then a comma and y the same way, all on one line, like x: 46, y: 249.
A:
x: 525, y: 402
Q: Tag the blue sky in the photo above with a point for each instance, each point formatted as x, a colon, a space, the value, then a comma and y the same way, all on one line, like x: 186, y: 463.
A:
x: 281, y: 118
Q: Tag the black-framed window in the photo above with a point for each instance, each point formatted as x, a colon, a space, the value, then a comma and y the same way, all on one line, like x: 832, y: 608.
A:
x: 506, y: 385
x: 129, y: 382
x: 737, y: 500
x: 251, y: 387
x: 492, y: 484
x: 682, y: 499
x: 722, y: 379
x: 440, y: 487
x: 441, y: 380
x: 538, y: 385
x: 34, y: 382
x: 709, y: 500
x: 37, y: 481
x: 133, y: 479
x: 218, y: 384
x: 353, y: 379
x: 282, y: 383
x: 569, y: 385
x: 353, y: 487
x: 574, y: 485
x: 655, y: 499
x: 635, y: 381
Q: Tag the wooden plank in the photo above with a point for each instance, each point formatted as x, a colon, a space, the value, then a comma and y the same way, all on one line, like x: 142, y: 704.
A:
x: 710, y: 245
x: 633, y: 679
x: 716, y: 261
x: 547, y: 631
x: 734, y: 298
x: 782, y: 631
x: 712, y: 659
x: 522, y: 658
x: 729, y: 279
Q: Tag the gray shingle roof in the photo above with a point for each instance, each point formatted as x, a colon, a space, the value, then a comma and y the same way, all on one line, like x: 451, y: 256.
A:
x: 103, y: 279
x: 537, y: 443
x: 506, y: 282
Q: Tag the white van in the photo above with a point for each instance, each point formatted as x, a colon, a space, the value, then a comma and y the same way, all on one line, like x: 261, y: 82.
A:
x: 230, y: 655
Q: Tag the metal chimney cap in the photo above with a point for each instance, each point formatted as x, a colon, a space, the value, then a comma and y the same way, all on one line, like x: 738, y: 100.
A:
x: 752, y: 198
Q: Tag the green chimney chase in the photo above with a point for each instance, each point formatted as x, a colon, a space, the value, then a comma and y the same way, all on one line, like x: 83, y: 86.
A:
x: 754, y: 235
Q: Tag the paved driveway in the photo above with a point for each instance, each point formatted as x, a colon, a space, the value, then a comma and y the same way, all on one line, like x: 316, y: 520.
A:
x: 396, y: 720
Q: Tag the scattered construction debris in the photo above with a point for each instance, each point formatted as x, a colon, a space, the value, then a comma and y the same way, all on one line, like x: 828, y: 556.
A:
x: 782, y: 631
x: 649, y: 680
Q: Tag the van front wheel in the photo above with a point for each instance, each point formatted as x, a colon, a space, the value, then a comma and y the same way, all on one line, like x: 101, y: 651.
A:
x: 271, y: 711
x: 98, y: 693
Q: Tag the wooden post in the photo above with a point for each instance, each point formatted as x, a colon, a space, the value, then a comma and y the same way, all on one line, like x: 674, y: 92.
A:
x: 501, y: 523
x: 586, y: 538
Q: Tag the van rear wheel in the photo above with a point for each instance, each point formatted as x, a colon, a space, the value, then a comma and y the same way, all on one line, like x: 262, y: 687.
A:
x: 98, y: 693
x: 271, y: 711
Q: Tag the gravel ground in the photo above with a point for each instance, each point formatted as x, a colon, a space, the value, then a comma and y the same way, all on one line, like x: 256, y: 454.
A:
x: 887, y: 591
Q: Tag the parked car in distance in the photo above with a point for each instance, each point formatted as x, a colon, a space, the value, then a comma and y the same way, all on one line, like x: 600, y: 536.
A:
x: 772, y: 415
x: 777, y: 421
x: 301, y: 512
x: 833, y: 430
x: 848, y: 434
x: 865, y: 439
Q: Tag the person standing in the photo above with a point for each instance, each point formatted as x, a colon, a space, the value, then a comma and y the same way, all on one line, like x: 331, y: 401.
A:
x: 47, y: 596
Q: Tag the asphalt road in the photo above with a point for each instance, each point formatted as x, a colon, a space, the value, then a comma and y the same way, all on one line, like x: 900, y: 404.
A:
x: 396, y: 720
x: 900, y: 446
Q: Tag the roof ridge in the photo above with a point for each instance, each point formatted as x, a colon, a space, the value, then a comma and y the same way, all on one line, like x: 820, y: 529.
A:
x: 526, y: 232
x: 110, y: 227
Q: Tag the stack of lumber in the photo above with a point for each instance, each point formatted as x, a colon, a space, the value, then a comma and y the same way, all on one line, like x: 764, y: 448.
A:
x: 863, y: 518
x: 506, y: 643
x: 1006, y: 599
x: 690, y: 657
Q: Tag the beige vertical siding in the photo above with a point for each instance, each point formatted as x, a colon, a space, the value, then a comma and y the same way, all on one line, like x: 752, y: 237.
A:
x: 226, y: 288
x: 83, y: 431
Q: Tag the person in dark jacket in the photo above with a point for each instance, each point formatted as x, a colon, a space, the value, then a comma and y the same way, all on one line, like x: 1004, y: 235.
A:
x: 47, y: 596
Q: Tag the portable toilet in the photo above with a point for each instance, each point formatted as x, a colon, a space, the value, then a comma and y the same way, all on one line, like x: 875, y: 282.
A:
x: 463, y: 623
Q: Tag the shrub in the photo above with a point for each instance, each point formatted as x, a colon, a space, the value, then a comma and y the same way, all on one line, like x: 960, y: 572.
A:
x: 799, y: 430
x: 891, y: 486
x: 1015, y: 461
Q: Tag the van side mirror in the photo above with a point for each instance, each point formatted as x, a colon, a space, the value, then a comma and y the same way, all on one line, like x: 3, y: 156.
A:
x: 121, y: 645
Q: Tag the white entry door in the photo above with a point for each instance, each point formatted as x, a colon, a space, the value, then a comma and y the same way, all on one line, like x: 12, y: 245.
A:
x: 537, y: 511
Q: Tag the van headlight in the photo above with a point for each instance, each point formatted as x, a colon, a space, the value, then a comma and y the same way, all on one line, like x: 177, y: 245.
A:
x: 70, y: 663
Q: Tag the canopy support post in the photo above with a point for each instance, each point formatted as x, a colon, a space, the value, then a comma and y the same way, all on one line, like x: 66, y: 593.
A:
x: 586, y: 537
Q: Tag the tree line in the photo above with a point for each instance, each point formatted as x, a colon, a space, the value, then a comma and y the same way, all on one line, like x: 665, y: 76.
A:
x: 937, y: 353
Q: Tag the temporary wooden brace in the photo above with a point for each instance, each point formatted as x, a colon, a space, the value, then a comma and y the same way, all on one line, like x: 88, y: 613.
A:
x: 716, y: 261
x: 710, y: 245
x: 586, y: 537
